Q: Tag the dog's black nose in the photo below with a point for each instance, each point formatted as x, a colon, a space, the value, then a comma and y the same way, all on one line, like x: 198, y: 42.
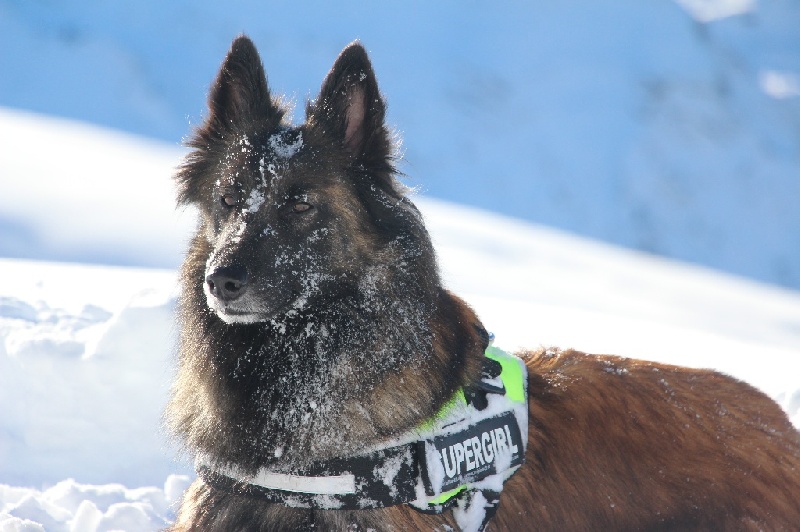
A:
x: 227, y: 282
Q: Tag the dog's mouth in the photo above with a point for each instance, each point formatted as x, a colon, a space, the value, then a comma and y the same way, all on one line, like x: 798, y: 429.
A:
x: 240, y: 312
x: 231, y: 316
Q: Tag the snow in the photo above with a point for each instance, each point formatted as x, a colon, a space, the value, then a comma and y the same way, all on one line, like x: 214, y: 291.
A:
x: 254, y: 201
x: 283, y: 147
x: 709, y: 10
x: 663, y: 126
x: 780, y: 84
x: 70, y: 506
x: 469, y: 515
x: 110, y: 179
x: 389, y: 471
x: 87, y: 351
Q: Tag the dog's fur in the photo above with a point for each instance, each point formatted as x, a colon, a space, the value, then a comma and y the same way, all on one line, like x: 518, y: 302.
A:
x: 313, y: 323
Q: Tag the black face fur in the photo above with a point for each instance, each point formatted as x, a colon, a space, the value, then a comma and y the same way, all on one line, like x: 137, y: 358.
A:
x: 294, y: 216
x: 311, y: 301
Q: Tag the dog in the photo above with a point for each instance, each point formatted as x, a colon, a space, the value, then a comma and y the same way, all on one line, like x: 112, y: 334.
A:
x: 314, y: 328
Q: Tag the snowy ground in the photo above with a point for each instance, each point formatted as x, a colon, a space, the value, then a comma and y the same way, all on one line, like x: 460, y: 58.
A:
x: 86, y: 351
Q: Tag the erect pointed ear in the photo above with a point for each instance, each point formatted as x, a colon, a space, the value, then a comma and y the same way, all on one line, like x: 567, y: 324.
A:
x: 350, y: 105
x: 239, y: 95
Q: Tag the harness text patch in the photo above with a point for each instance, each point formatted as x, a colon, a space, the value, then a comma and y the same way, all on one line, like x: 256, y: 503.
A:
x: 486, y: 448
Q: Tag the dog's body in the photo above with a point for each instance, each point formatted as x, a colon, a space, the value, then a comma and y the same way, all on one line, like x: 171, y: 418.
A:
x: 314, y: 325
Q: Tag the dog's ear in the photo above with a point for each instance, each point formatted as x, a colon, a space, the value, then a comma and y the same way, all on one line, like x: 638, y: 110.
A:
x: 350, y: 106
x: 239, y: 96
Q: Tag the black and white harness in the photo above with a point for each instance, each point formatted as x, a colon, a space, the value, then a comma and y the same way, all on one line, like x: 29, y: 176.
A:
x: 457, y: 460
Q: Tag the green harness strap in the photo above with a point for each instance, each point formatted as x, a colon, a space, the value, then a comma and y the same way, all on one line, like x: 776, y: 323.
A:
x: 512, y: 378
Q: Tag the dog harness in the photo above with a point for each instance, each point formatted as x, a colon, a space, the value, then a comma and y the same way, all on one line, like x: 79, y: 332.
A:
x: 458, y: 459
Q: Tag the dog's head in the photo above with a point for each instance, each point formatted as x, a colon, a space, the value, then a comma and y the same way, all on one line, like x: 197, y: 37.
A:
x: 291, y: 216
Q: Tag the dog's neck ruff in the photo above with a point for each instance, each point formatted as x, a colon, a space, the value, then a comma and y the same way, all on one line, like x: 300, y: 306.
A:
x: 462, y: 456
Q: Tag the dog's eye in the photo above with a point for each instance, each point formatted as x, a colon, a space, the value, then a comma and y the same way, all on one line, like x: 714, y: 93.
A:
x: 229, y: 200
x: 301, y: 206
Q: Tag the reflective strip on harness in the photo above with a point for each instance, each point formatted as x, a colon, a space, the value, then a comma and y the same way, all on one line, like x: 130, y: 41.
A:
x: 326, y: 485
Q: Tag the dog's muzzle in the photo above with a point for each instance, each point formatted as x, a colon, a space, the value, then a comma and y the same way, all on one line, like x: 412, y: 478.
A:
x: 227, y: 283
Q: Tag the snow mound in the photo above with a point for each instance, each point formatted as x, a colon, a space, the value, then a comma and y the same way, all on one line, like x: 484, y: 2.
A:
x: 71, y: 507
x: 85, y: 362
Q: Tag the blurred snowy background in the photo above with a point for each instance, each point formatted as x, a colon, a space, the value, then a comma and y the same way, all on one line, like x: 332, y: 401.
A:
x: 669, y: 127
x: 540, y: 135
